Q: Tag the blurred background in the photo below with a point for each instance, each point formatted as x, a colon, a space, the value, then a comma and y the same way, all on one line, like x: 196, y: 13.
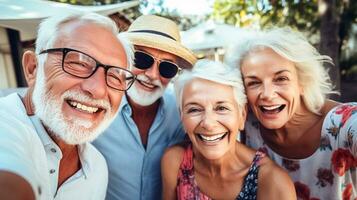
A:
x: 208, y: 26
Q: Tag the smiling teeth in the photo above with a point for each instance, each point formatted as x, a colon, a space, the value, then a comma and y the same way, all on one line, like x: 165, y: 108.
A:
x: 147, y: 84
x: 83, y: 107
x: 271, y: 107
x: 212, y: 138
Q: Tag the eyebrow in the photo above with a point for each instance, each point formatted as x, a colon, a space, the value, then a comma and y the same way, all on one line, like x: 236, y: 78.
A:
x: 222, y: 102
x: 282, y: 71
x: 276, y: 73
x: 197, y: 104
x: 190, y: 104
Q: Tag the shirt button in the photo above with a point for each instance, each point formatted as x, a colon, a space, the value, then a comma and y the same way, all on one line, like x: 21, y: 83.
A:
x: 39, y: 190
x: 52, y: 171
x: 53, y: 150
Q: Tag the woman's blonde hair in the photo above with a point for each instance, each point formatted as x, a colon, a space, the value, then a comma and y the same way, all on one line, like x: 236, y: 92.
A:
x: 293, y: 46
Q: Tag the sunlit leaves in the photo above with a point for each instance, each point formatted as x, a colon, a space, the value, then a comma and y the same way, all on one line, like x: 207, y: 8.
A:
x: 301, y: 14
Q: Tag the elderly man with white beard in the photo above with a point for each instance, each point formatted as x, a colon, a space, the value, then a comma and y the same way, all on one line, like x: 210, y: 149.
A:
x: 76, y: 81
x: 148, y: 121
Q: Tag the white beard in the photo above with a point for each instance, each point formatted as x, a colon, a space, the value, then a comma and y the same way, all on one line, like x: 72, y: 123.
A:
x: 142, y: 97
x: 72, y: 130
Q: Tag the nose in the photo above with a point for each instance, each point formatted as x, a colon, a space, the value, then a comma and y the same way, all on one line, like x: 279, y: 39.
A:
x: 268, y: 91
x: 208, y: 121
x: 96, y: 85
x: 153, y: 72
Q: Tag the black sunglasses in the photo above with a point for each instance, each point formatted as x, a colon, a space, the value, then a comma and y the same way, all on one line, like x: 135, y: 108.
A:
x: 167, y: 68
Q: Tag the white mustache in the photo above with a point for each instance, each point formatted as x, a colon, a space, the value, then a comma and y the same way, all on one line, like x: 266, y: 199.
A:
x: 81, y: 97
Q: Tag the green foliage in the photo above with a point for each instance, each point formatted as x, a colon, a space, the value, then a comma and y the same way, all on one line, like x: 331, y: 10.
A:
x: 299, y: 14
x: 236, y: 12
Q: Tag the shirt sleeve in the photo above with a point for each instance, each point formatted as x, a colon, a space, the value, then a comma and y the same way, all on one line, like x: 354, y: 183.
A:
x: 349, y: 127
x: 15, y: 151
x: 104, y: 179
x: 344, y: 121
x: 353, y: 136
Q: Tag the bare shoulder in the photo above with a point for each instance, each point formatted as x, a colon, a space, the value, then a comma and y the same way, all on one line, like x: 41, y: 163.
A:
x: 171, y: 161
x: 274, y: 182
x: 170, y: 165
x: 329, y: 105
x: 173, y: 155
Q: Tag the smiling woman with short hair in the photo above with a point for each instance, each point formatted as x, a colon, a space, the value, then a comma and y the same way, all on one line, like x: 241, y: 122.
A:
x: 213, y: 164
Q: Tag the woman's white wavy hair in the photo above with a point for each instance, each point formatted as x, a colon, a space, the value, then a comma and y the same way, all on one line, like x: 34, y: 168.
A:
x: 213, y: 71
x: 293, y: 46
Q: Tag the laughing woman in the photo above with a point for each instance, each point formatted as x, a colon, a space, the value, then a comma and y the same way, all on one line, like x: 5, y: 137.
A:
x: 313, y: 138
x: 213, y: 164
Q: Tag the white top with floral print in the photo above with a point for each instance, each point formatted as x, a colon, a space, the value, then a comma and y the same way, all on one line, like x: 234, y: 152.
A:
x: 330, y: 172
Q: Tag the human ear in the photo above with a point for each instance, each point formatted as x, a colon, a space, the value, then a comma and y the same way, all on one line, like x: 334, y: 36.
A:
x: 29, y: 64
x: 301, y: 90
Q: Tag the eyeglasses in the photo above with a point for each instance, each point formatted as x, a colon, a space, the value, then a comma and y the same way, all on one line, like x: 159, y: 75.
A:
x: 81, y: 65
x: 167, y: 69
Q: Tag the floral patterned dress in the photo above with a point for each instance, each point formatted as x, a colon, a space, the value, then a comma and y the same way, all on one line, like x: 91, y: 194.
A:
x: 330, y: 172
x: 187, y: 189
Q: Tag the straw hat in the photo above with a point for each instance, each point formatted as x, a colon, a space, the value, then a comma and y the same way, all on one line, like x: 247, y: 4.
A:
x: 159, y: 33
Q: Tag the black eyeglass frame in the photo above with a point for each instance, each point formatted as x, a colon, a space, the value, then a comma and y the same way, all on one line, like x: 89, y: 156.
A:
x: 179, y: 69
x: 97, y: 65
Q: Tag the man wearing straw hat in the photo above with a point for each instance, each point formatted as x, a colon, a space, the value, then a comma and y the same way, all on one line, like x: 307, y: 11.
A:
x: 148, y: 121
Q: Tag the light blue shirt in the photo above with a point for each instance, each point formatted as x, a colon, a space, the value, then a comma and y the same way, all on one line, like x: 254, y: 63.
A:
x: 134, y: 172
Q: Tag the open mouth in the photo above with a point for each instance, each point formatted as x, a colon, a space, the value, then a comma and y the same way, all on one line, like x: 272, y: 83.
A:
x: 84, y: 108
x: 212, y: 138
x: 272, y: 109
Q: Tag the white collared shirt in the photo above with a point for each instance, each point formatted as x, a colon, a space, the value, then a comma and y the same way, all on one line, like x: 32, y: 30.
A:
x: 27, y: 150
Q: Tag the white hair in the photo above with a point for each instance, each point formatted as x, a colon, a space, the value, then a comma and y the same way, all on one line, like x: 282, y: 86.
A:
x: 293, y: 46
x: 128, y: 48
x: 49, y: 29
x: 213, y: 71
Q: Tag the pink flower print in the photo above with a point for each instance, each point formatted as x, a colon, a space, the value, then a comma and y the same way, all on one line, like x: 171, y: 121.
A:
x: 346, y: 111
x: 342, y: 160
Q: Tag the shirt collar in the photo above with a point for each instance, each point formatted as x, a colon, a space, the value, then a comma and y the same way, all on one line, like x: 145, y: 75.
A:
x: 125, y: 106
x: 48, y: 143
x: 83, y: 155
x: 41, y: 131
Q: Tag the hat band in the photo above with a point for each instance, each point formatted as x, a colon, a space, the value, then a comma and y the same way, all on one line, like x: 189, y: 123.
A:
x: 154, y: 32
